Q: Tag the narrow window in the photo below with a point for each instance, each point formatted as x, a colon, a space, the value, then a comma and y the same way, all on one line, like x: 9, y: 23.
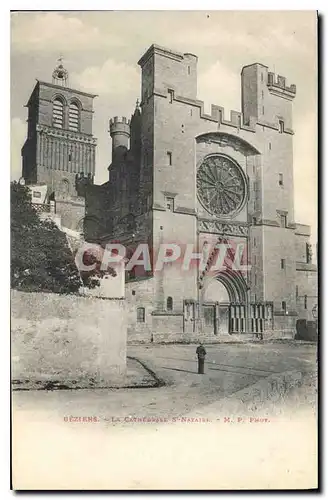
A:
x: 254, y: 259
x: 254, y: 220
x: 283, y: 220
x: 69, y: 156
x: 169, y: 158
x: 281, y: 180
x: 140, y: 314
x: 169, y: 304
x: 73, y: 117
x: 283, y: 306
x: 262, y: 94
x: 270, y: 146
x: 261, y: 77
x: 58, y: 113
x: 169, y: 204
x: 170, y: 95
x: 188, y: 70
x: 255, y: 280
x: 281, y: 126
x: 133, y: 292
x: 305, y: 301
x: 262, y: 110
x: 282, y: 263
x: 308, y: 253
x: 254, y: 242
x: 297, y: 291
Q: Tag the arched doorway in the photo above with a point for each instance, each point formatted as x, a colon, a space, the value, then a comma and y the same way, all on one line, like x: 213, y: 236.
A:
x: 224, y: 303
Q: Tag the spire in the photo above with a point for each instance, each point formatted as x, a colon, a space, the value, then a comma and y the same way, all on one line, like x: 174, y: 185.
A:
x: 60, y: 74
x: 137, y: 111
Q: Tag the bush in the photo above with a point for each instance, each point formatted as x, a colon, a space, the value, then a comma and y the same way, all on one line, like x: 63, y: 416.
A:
x: 40, y: 256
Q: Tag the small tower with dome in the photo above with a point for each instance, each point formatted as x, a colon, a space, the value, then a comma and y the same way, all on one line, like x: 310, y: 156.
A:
x: 60, y: 74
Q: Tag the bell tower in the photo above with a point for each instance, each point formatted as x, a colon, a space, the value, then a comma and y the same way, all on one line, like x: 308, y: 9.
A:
x: 60, y: 145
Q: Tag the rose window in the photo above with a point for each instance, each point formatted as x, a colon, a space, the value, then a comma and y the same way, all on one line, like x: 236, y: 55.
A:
x: 221, y: 186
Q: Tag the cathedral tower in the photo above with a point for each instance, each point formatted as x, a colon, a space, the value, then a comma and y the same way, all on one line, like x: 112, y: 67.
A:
x: 60, y: 149
x: 268, y: 99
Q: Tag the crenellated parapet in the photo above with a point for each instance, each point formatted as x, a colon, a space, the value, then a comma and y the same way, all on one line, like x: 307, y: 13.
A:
x: 119, y: 125
x: 218, y: 113
x: 235, y: 120
x: 120, y: 131
x: 82, y: 182
x: 277, y: 85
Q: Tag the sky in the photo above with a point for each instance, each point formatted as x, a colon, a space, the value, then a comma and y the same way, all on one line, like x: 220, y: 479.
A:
x: 100, y: 50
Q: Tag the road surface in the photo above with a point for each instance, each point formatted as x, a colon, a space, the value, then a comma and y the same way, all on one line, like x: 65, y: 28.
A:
x: 228, y: 369
x: 131, y: 440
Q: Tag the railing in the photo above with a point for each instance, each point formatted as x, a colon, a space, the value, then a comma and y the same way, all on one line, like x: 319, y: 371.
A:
x: 41, y: 207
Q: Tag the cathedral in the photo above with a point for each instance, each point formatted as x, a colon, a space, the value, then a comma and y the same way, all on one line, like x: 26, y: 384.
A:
x: 179, y: 175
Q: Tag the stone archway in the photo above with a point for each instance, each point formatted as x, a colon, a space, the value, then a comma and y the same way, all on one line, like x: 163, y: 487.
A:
x: 224, y: 303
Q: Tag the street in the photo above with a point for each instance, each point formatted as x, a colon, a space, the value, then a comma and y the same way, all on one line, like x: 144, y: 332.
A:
x: 228, y: 368
x: 139, y: 439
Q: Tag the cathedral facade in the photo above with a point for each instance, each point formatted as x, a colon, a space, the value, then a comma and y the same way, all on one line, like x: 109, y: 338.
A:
x: 183, y: 177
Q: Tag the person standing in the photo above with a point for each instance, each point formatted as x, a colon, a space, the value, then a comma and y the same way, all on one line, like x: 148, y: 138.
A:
x: 201, y: 353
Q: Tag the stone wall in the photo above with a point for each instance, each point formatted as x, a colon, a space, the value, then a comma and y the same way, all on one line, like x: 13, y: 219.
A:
x: 109, y: 286
x: 67, y: 339
x: 284, y: 327
x: 307, y: 282
x: 140, y: 294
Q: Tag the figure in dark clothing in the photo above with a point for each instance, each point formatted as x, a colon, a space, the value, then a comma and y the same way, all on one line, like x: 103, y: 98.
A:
x: 201, y: 353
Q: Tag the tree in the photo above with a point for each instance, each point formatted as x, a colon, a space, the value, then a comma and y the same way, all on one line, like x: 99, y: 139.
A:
x: 40, y: 256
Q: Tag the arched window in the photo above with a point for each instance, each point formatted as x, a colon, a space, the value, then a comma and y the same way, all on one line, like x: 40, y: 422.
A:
x: 58, y: 113
x: 169, y: 304
x: 74, y: 117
